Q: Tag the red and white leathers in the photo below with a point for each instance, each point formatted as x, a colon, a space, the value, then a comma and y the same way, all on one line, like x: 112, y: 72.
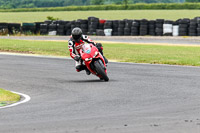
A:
x: 74, y: 48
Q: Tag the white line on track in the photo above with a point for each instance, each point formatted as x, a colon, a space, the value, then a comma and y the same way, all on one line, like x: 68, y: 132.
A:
x: 26, y: 99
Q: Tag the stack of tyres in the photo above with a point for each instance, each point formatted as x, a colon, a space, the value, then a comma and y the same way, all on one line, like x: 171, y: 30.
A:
x: 3, y: 28
x: 100, y: 30
x: 198, y: 27
x: 54, y: 22
x: 168, y: 28
x: 127, y: 29
x: 61, y: 22
x: 144, y: 27
x: 14, y: 28
x: 183, y: 27
x: 77, y: 24
x: 52, y: 27
x: 48, y: 22
x: 83, y: 25
x: 28, y: 28
x: 101, y: 24
x: 175, y: 28
x: 61, y: 27
x: 121, y: 27
x: 115, y: 27
x: 68, y: 28
x: 192, y: 30
x: 44, y: 29
x: 37, y: 27
x: 152, y: 27
x: 108, y: 25
x: 73, y: 25
x: 159, y: 27
x: 135, y: 28
x: 93, y: 24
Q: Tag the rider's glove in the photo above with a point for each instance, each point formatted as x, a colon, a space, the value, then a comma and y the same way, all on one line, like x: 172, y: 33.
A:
x: 99, y: 45
x: 77, y: 58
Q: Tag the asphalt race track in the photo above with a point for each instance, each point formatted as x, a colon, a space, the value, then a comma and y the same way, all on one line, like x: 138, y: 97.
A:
x: 139, y: 98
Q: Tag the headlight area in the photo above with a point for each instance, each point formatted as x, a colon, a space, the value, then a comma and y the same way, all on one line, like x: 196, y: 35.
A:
x: 88, y: 59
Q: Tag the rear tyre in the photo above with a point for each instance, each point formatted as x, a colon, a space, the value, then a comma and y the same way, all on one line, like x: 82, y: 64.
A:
x: 101, y: 71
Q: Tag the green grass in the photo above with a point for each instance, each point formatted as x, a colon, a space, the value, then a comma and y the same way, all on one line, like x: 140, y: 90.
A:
x: 35, y: 47
x: 154, y: 54
x: 109, y: 15
x: 7, y: 97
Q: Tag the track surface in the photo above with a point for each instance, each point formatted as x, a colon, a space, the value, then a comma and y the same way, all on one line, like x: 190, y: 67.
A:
x: 138, y: 98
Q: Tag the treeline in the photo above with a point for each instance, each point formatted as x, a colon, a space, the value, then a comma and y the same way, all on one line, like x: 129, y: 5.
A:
x: 139, y: 6
x: 192, y: 0
x: 10, y: 4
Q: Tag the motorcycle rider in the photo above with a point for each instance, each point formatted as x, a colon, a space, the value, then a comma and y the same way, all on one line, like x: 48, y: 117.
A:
x: 77, y: 39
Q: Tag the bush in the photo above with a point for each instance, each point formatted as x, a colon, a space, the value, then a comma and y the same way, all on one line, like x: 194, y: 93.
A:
x: 138, y: 6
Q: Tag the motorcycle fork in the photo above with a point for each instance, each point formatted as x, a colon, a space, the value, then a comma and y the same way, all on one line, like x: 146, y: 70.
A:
x: 101, y: 63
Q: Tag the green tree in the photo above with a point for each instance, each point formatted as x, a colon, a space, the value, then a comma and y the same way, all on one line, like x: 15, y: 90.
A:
x: 118, y: 2
x: 97, y: 2
x: 192, y: 0
x: 125, y: 3
x: 157, y: 1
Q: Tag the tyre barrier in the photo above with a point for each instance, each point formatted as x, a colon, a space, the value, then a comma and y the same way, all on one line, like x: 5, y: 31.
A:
x: 96, y: 26
x: 28, y: 28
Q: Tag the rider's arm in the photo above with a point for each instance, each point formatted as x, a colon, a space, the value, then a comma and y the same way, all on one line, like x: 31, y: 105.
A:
x: 71, y: 49
x: 88, y: 40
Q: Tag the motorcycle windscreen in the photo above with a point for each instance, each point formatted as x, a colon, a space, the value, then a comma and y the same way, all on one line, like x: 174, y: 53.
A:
x: 86, y: 48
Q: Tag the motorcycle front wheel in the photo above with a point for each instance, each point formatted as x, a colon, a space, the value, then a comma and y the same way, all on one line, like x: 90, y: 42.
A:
x: 100, y: 70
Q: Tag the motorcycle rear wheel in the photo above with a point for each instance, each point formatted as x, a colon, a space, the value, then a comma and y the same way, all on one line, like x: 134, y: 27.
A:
x: 100, y: 70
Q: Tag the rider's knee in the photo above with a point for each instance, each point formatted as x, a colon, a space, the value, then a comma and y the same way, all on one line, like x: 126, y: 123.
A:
x: 80, y: 68
x: 77, y: 70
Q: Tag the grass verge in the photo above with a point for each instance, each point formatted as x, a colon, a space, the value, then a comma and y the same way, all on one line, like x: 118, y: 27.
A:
x: 7, y: 97
x: 109, y: 15
x: 137, y: 53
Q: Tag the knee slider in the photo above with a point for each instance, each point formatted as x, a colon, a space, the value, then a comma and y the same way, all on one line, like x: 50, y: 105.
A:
x: 80, y: 67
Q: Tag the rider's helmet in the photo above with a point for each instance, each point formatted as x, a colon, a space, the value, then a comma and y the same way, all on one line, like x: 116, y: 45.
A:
x: 76, y: 34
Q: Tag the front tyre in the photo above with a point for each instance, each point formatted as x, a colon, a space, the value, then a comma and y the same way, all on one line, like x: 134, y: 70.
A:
x: 100, y: 70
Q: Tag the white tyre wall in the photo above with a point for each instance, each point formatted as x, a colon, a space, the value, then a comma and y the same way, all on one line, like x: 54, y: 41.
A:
x: 175, y: 30
x: 167, y: 28
x: 108, y: 32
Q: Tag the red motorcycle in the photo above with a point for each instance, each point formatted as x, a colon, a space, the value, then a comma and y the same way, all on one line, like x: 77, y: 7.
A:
x: 94, y: 61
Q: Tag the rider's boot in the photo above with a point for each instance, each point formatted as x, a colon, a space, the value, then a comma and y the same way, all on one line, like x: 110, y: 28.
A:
x: 87, y: 71
x: 82, y: 67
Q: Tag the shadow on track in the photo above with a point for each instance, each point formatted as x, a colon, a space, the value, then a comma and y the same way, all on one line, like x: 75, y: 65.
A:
x: 85, y: 81
x: 90, y: 81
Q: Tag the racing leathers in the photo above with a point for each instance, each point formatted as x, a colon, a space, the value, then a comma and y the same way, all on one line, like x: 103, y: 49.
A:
x: 74, y: 48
